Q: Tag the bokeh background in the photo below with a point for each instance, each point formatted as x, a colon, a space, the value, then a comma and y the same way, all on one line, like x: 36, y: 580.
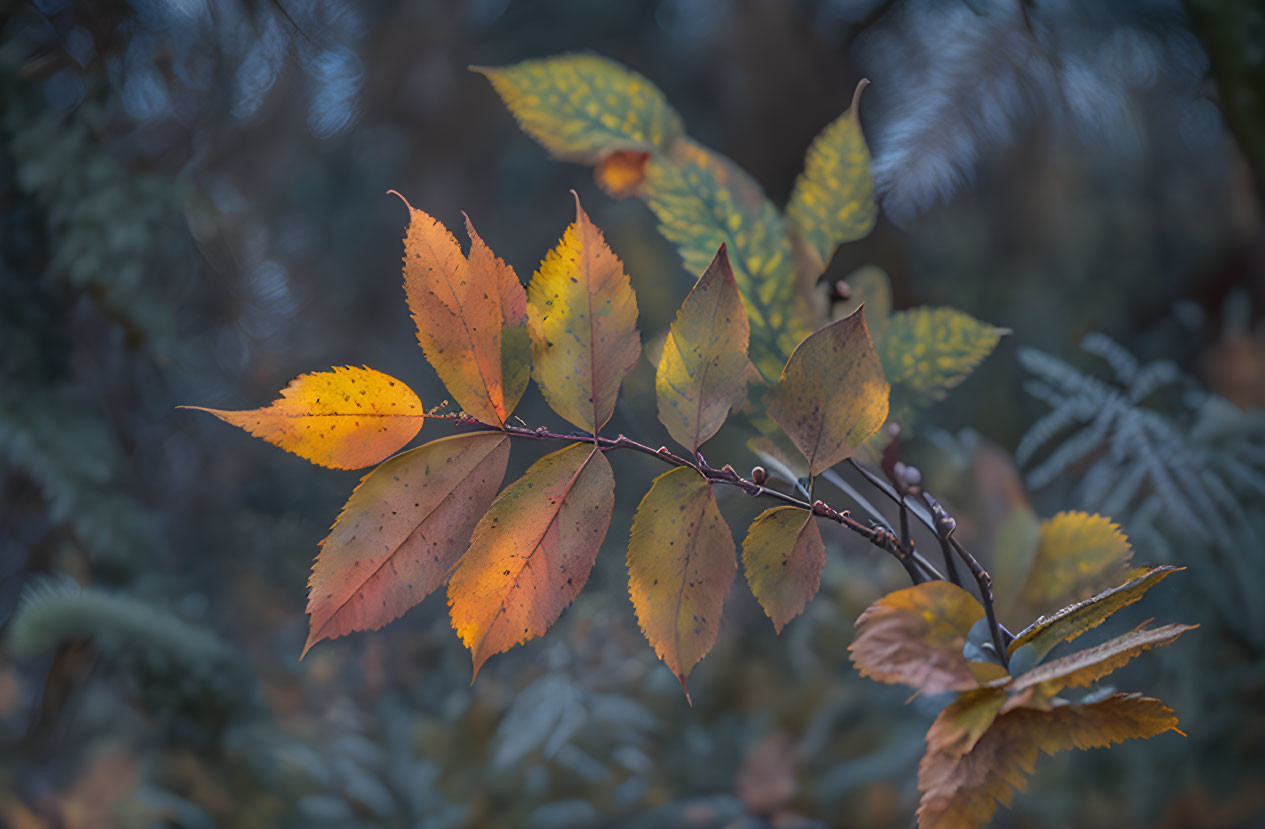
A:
x: 193, y: 203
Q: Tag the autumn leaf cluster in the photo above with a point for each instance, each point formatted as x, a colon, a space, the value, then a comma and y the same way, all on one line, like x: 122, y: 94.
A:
x: 754, y: 333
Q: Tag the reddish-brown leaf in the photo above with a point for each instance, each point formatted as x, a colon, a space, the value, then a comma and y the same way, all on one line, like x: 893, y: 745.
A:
x: 401, y: 532
x: 961, y: 790
x: 915, y: 637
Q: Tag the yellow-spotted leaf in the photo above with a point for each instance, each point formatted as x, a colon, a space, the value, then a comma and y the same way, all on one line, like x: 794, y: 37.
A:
x: 681, y: 564
x: 915, y: 637
x: 401, y: 532
x: 702, y: 371
x: 532, y: 551
x: 461, y: 307
x: 1072, y: 621
x: 927, y: 351
x: 783, y: 556
x: 581, y: 106
x: 832, y: 395
x: 703, y: 200
x: 582, y: 318
x: 833, y: 200
x: 1078, y: 556
x: 1088, y: 666
x: 344, y: 418
x: 961, y: 790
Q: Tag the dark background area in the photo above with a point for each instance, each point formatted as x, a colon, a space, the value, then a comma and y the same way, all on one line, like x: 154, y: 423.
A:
x: 194, y: 208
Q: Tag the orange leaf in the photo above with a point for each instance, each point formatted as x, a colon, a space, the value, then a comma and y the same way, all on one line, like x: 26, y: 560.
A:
x: 963, y: 721
x: 783, y: 555
x: 704, y: 363
x: 831, y: 396
x: 681, y: 563
x: 460, y: 307
x: 915, y: 636
x: 1087, y: 666
x: 1072, y: 621
x: 622, y: 173
x: 960, y: 791
x: 532, y: 552
x: 582, y: 317
x: 401, y: 532
x: 344, y: 418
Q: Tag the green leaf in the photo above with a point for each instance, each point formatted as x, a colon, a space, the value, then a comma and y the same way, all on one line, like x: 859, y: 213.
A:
x: 927, y: 351
x: 833, y: 201
x: 1070, y: 622
x: 831, y: 396
x: 703, y: 200
x: 580, y: 107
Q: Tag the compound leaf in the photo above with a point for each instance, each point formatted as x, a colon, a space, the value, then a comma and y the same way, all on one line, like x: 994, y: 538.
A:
x: 582, y: 318
x: 927, y: 351
x: 401, y: 532
x: 681, y: 564
x: 832, y: 395
x: 783, y: 556
x: 460, y: 307
x: 581, y: 106
x: 961, y: 790
x: 1072, y: 621
x: 833, y: 200
x: 344, y: 418
x: 532, y: 551
x: 915, y: 636
x: 704, y: 363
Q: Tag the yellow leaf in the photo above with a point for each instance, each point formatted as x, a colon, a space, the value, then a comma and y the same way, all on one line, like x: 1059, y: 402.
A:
x: 1078, y: 555
x: 582, y: 317
x: 1088, y: 666
x: 580, y: 106
x: 703, y: 200
x: 702, y: 370
x: 961, y: 790
x: 401, y: 532
x: 832, y: 395
x: 461, y: 307
x: 783, y: 556
x: 681, y: 564
x: 1072, y: 621
x: 833, y: 201
x: 344, y: 418
x: 532, y: 551
x: 927, y: 351
x: 915, y: 637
